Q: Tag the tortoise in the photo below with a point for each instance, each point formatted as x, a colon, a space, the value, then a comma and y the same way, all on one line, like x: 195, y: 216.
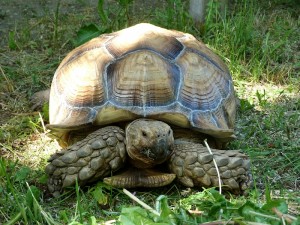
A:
x: 133, y: 107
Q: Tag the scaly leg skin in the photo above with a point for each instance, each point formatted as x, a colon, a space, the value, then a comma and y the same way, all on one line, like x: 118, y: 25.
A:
x: 194, y: 166
x: 98, y: 155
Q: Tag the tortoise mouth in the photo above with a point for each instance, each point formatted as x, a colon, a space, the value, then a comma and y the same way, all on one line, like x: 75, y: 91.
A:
x: 149, y: 157
x: 147, y: 152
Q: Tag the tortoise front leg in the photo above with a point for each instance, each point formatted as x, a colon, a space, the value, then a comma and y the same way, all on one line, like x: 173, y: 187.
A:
x: 98, y: 155
x: 193, y: 165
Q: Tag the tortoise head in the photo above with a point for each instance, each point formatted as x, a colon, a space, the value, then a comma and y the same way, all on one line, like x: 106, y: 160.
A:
x: 149, y: 142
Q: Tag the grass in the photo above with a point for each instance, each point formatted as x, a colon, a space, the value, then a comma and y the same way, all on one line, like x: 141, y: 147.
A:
x: 259, y: 41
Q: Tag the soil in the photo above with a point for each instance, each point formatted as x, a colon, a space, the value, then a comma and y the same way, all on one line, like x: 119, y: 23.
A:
x: 15, y: 16
x: 14, y: 13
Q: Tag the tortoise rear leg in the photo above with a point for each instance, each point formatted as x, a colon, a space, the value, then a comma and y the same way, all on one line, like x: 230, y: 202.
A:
x: 98, y: 155
x: 194, y: 166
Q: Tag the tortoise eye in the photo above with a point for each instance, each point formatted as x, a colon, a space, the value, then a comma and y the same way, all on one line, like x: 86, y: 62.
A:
x: 169, y: 132
x: 144, y: 134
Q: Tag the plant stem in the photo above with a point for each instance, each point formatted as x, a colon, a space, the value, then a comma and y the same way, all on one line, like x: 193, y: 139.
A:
x: 216, y: 166
x: 141, y: 203
x: 264, y: 215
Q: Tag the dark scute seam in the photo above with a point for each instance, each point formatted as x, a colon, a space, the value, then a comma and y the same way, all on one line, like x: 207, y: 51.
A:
x: 206, y: 57
x: 170, y: 55
x: 79, y: 53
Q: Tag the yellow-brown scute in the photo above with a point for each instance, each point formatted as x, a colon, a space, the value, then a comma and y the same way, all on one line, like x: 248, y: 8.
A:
x: 145, y: 36
x: 142, y: 79
x: 204, y: 86
x: 81, y: 83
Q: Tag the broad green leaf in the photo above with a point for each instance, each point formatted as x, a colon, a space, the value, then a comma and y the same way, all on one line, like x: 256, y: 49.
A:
x: 32, y: 193
x: 137, y: 216
x: 245, y: 105
x: 63, y: 216
x: 217, y: 196
x: 162, y: 206
x: 252, y: 212
x: 100, y: 197
x: 247, y: 208
x: 134, y: 215
x: 125, y: 220
x: 280, y: 204
x: 22, y: 174
x: 166, y: 214
x: 93, y: 221
x: 12, y: 44
x: 214, y: 211
x: 86, y: 33
x: 296, y: 222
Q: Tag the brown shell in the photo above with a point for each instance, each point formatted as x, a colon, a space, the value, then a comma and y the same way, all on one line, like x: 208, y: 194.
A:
x: 144, y: 71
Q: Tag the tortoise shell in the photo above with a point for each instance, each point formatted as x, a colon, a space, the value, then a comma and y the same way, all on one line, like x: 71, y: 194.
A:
x: 144, y: 71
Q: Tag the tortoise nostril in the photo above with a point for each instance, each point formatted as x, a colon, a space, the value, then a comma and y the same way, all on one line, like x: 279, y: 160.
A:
x: 161, y: 135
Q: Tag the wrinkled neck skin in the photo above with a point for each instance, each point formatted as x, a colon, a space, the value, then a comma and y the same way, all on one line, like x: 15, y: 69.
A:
x: 149, y: 142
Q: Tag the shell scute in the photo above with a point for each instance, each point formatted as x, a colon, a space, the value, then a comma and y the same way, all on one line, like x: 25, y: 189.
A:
x: 145, y: 37
x: 142, y: 79
x: 144, y: 71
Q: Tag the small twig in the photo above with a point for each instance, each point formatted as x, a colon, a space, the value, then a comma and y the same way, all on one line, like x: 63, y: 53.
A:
x: 10, y: 87
x: 141, y: 203
x: 10, y: 150
x: 232, y: 222
x: 25, y: 114
x: 284, y: 217
x: 218, y: 223
x: 109, y: 222
x: 2, y: 104
x: 42, y: 122
x: 263, y: 215
x: 216, y: 166
x: 256, y: 223
x: 283, y: 221
x: 195, y: 212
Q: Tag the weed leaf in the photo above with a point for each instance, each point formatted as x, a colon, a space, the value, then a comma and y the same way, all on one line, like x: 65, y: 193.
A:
x: 101, y: 12
x: 162, y: 206
x: 34, y: 192
x: 136, y: 215
x: 99, y: 196
x: 12, y: 44
x: 3, y: 165
x: 86, y: 33
x: 125, y: 3
x: 247, y: 208
x: 166, y: 214
x: 280, y: 204
x: 22, y: 174
x: 217, y: 196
